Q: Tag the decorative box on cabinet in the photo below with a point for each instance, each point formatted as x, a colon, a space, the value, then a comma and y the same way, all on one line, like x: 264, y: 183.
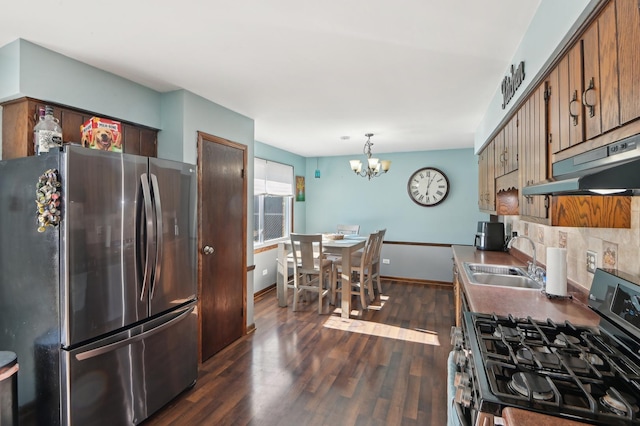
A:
x: 19, y: 116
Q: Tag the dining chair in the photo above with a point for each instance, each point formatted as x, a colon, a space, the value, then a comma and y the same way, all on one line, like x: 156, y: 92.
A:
x: 310, y: 268
x: 348, y: 229
x: 360, y: 268
x: 375, y: 263
x: 374, y: 270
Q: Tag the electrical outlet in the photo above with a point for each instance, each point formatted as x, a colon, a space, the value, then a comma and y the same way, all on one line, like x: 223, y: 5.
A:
x: 386, y: 261
x: 264, y: 272
x: 591, y: 261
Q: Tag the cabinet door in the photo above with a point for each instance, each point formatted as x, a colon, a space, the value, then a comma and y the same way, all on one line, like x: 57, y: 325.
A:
x: 601, y: 93
x: 553, y: 104
x: 491, y: 181
x: 576, y: 119
x: 628, y: 26
x: 533, y: 132
x: 608, y: 62
x: 131, y: 139
x: 523, y: 148
x: 499, y: 152
x: 486, y: 178
x: 592, y: 88
x: 71, y: 122
x: 511, y: 145
x: 540, y: 149
x: 148, y: 142
x: 565, y: 122
x: 482, y: 178
x: 139, y: 141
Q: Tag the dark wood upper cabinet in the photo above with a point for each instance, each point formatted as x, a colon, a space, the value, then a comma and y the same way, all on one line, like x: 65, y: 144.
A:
x: 20, y: 116
x: 628, y: 29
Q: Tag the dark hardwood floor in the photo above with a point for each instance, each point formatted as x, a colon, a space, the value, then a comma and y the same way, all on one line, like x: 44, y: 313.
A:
x: 385, y: 366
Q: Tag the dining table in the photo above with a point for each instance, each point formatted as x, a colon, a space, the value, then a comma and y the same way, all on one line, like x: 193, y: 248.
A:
x: 344, y: 247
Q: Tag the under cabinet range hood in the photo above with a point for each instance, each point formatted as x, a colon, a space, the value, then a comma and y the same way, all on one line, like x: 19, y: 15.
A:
x: 610, y: 169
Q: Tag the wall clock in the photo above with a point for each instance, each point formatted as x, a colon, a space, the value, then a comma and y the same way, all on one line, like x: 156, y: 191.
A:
x: 428, y: 187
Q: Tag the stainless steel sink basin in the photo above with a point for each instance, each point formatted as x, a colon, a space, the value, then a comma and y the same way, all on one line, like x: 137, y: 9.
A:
x: 500, y: 275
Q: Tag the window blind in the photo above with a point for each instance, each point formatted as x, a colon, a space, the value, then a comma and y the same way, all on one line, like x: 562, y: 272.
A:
x: 271, y: 178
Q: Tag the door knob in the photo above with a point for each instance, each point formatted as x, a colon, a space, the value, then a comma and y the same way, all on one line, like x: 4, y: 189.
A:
x: 207, y: 250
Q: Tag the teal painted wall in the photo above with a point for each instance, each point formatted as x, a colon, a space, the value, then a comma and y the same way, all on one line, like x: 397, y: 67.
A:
x: 339, y: 196
x: 170, y: 139
x: 9, y: 70
x: 50, y: 76
x: 206, y: 116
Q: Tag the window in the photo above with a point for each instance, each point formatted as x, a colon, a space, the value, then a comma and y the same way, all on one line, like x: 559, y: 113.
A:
x: 272, y: 200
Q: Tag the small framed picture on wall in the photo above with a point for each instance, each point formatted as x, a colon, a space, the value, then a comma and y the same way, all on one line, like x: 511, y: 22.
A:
x: 299, y: 188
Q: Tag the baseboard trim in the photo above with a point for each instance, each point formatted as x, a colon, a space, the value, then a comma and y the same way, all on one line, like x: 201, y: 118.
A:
x: 261, y: 293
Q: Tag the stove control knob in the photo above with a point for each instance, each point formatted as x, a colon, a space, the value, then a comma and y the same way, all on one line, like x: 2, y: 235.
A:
x: 462, y: 379
x: 460, y: 358
x: 457, y: 342
x: 463, y: 396
x: 457, y: 339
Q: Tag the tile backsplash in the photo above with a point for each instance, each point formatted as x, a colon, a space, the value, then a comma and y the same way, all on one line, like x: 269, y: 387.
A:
x: 615, y: 248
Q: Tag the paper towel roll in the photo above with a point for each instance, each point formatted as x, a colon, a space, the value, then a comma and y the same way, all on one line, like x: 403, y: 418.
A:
x: 556, y: 271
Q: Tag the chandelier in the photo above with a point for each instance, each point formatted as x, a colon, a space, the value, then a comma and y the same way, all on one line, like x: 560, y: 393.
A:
x: 375, y: 167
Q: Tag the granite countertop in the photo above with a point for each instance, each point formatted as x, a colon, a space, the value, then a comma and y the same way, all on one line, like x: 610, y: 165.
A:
x: 520, y: 303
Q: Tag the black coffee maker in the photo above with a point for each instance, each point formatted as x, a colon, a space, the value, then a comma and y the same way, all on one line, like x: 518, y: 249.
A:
x: 490, y: 236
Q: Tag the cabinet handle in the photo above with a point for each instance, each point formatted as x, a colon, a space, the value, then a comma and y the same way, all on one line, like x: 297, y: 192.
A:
x: 591, y: 106
x: 574, y: 99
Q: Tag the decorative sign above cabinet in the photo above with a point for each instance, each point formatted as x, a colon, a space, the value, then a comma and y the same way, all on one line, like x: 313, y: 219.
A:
x: 511, y: 83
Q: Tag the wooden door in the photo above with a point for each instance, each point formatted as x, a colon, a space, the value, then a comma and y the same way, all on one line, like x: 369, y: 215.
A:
x: 222, y: 196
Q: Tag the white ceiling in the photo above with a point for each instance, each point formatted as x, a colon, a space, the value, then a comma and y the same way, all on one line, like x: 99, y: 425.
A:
x: 419, y: 74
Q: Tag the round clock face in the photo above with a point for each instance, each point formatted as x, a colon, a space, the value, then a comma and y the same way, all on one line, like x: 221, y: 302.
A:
x: 428, y: 187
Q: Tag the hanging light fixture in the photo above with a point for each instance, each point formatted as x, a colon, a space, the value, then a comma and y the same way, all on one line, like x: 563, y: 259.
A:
x: 375, y: 167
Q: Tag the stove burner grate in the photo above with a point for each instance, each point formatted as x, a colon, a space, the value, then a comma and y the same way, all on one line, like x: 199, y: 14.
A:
x: 564, y: 340
x: 531, y: 385
x: 616, y: 404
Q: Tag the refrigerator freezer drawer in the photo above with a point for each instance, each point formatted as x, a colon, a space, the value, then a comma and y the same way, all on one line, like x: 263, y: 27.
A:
x: 127, y: 377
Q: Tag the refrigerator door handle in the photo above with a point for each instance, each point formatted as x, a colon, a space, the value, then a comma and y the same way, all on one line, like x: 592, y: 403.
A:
x: 129, y: 340
x: 159, y: 236
x: 148, y: 208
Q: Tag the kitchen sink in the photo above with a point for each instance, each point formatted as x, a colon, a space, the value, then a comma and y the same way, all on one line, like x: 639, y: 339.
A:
x: 500, y: 276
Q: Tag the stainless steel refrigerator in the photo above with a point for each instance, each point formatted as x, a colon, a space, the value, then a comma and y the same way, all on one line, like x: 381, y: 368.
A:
x: 100, y: 308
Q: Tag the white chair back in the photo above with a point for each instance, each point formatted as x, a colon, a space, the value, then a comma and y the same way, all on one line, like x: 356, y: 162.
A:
x: 348, y: 229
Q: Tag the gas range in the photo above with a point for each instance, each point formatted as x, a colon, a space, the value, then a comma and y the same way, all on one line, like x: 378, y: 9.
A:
x: 589, y: 374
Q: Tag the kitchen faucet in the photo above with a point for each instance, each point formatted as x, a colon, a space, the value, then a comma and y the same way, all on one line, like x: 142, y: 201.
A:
x: 534, y: 271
